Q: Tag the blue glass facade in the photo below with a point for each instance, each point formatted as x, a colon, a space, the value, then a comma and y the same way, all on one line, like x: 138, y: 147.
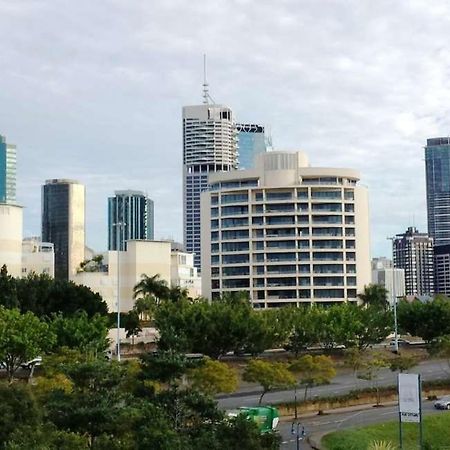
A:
x: 135, y: 211
x: 251, y: 141
x: 7, y: 172
x: 437, y: 163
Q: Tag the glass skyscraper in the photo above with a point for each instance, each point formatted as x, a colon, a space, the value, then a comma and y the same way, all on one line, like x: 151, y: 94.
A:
x: 251, y: 142
x: 437, y: 163
x: 7, y: 172
x: 131, y: 213
x: 63, y: 224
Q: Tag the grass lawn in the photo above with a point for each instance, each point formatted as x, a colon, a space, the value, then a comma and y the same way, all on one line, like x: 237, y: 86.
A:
x: 436, y: 433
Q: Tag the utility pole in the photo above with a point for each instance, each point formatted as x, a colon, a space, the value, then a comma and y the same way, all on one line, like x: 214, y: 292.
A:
x: 394, y: 294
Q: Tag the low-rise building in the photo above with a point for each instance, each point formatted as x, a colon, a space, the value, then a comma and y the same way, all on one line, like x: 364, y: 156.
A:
x: 392, y: 278
x: 37, y: 257
x: 11, y: 226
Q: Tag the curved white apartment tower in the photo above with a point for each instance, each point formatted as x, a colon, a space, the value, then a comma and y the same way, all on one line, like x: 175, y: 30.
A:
x: 209, y: 145
x: 286, y: 233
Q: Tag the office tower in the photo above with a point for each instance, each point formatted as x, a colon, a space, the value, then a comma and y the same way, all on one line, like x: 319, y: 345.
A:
x: 286, y: 233
x: 437, y: 165
x: 131, y: 213
x: 442, y: 269
x: 63, y: 224
x: 209, y: 145
x: 7, y: 172
x: 413, y: 252
x: 390, y: 277
x: 251, y: 141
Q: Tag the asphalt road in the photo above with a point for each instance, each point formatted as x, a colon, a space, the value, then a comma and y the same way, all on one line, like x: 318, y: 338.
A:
x: 337, y: 421
x: 341, y: 384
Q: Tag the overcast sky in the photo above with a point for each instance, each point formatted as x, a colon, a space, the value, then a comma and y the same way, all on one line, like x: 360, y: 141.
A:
x: 93, y: 90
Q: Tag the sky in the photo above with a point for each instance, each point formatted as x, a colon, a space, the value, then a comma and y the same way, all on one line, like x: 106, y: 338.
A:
x: 93, y: 90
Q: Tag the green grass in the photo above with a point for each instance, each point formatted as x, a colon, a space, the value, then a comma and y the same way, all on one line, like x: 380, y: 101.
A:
x: 436, y: 435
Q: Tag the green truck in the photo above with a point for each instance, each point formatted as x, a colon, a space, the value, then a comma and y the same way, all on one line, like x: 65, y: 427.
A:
x: 266, y: 417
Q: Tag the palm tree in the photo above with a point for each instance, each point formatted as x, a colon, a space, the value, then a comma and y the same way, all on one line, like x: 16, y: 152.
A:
x: 153, y: 286
x: 374, y: 295
x: 178, y: 293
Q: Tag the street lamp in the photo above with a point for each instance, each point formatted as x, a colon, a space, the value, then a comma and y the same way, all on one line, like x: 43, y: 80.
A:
x: 118, y: 226
x: 394, y: 294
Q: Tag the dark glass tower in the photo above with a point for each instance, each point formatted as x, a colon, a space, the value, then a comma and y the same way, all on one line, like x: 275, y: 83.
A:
x: 63, y: 216
x: 251, y: 142
x: 437, y: 163
x: 132, y: 214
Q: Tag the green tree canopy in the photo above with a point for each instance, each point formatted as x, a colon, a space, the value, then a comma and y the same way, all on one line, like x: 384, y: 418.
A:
x: 375, y: 295
x: 22, y: 338
x: 213, y: 377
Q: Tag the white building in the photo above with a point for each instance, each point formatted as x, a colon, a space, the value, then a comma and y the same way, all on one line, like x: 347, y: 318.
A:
x: 286, y: 233
x: 183, y: 273
x: 11, y: 226
x: 141, y: 257
x: 209, y: 145
x: 37, y: 257
x: 392, y: 278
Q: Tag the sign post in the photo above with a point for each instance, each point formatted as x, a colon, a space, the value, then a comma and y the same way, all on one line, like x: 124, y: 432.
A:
x: 410, y: 403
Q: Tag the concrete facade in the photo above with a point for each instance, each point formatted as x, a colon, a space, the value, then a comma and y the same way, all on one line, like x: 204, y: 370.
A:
x: 37, y: 257
x: 286, y: 233
x: 11, y: 226
x: 393, y: 279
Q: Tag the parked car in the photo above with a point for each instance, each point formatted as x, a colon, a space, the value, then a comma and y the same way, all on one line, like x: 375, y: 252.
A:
x: 36, y: 362
x: 443, y: 403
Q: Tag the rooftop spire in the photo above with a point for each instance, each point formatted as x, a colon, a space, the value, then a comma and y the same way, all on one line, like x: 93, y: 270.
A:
x: 206, y: 97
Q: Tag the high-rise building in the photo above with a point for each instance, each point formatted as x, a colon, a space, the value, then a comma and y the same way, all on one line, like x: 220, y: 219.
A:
x: 209, y: 146
x: 413, y: 252
x: 63, y: 224
x: 390, y: 277
x: 251, y: 140
x: 7, y: 172
x: 130, y: 216
x: 442, y: 269
x: 437, y: 165
x: 286, y: 233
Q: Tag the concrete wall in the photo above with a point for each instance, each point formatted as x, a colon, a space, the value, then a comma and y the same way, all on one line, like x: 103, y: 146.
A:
x: 11, y: 226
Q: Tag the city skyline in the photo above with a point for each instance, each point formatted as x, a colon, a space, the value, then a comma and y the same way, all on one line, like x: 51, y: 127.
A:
x: 346, y: 97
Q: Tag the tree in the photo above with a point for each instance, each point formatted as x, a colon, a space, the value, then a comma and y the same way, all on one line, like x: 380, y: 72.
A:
x: 154, y: 286
x: 374, y: 295
x: 22, y: 338
x: 132, y: 325
x: 19, y: 408
x: 402, y: 363
x: 213, y: 377
x: 145, y: 307
x: 177, y: 294
x: 45, y: 296
x: 303, y: 331
x: 86, y: 334
x: 8, y: 291
x: 371, y: 371
x: 313, y: 371
x: 428, y: 320
x: 355, y: 358
x: 269, y: 375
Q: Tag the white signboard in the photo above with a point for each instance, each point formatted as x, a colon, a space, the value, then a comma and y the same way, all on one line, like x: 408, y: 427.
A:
x: 409, y: 397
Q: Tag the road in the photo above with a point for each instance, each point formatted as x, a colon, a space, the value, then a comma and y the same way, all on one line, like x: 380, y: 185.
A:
x: 334, y: 422
x: 341, y: 384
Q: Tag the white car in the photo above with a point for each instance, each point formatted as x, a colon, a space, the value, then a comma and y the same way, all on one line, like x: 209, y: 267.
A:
x: 36, y: 362
x: 443, y: 403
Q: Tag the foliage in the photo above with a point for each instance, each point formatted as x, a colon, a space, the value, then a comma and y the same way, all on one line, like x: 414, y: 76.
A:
x: 44, y: 296
x: 381, y: 445
x: 313, y: 371
x: 269, y: 375
x: 213, y: 377
x: 375, y: 295
x: 402, y: 363
x: 22, y: 338
x: 428, y: 320
x: 154, y: 286
x: 371, y: 371
x: 18, y: 407
x: 145, y: 307
x: 86, y: 334
x: 132, y: 325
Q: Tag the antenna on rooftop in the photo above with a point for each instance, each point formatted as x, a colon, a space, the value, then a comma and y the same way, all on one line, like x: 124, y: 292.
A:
x: 206, y: 97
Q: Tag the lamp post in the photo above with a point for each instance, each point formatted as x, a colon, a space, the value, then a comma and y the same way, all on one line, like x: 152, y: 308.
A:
x: 118, y: 226
x: 394, y: 294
